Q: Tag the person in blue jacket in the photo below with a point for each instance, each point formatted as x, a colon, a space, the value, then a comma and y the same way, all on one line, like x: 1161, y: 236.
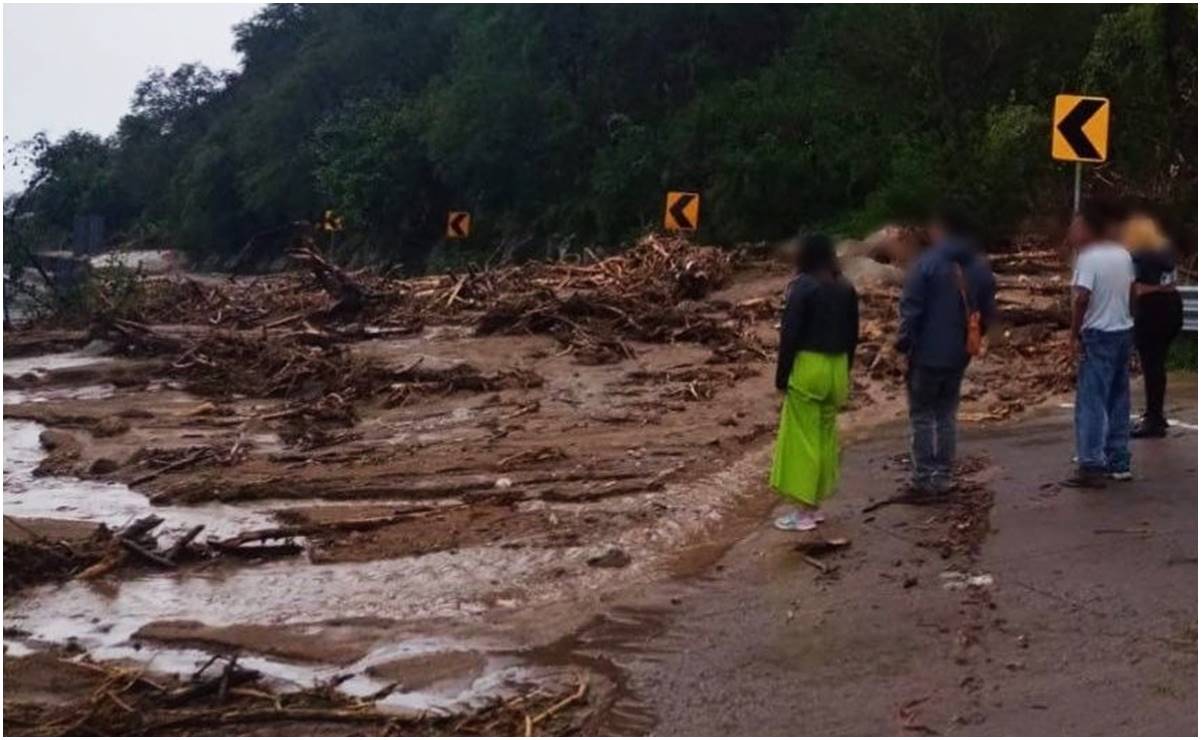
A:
x: 947, y: 282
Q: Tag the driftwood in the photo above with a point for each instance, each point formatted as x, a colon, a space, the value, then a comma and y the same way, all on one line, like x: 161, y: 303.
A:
x: 145, y: 553
x: 125, y: 701
x: 140, y: 527
x: 110, y: 562
x: 183, y: 542
x: 306, y: 530
x: 349, y: 297
x: 220, y: 684
x: 177, y: 465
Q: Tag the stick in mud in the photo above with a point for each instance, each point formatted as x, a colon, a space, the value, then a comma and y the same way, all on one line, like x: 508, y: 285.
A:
x: 183, y: 542
x: 910, y: 498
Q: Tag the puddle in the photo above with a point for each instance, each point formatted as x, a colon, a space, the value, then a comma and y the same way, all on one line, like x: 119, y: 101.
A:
x: 39, y: 364
x: 114, y: 504
x: 102, y: 618
x: 497, y: 674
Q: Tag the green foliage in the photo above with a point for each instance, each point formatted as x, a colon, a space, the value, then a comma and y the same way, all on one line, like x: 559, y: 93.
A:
x: 566, y: 125
x: 1182, y: 355
x: 1145, y: 58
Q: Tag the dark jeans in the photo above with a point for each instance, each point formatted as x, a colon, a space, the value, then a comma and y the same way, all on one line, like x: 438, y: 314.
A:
x: 1103, y: 402
x: 1158, y: 319
x: 933, y: 401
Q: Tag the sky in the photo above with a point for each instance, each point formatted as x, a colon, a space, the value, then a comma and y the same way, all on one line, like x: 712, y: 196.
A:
x: 75, y: 66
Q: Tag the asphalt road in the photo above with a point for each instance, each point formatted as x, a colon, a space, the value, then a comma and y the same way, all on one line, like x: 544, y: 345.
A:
x: 1089, y: 624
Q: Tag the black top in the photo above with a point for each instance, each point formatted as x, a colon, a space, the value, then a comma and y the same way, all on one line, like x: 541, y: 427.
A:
x: 1155, y: 267
x: 819, y: 316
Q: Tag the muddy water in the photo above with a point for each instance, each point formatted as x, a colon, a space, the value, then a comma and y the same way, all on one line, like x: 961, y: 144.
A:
x: 113, y: 504
x: 473, y: 601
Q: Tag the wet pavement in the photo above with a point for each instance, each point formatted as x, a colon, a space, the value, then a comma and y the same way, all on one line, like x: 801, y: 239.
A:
x: 1084, y: 620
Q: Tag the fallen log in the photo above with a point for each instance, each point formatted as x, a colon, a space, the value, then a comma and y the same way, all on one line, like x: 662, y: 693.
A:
x: 110, y: 562
x: 144, y: 553
x: 140, y: 527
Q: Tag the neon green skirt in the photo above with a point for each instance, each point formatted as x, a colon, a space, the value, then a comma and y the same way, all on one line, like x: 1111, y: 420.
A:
x: 805, y: 464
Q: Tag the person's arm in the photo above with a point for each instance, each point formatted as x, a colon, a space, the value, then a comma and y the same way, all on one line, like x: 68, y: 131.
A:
x: 1080, y: 298
x: 790, y: 333
x: 1083, y: 279
x: 853, y: 320
x: 913, y: 309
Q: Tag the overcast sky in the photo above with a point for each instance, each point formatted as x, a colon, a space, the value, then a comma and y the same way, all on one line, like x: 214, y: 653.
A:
x: 75, y: 66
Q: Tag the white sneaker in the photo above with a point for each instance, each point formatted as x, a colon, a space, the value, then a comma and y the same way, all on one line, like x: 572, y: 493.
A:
x: 1122, y: 475
x: 796, y: 522
x: 819, y: 516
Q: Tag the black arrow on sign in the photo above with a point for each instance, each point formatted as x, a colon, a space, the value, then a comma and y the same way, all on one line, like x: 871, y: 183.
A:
x: 456, y: 224
x: 1072, y: 128
x: 677, y: 211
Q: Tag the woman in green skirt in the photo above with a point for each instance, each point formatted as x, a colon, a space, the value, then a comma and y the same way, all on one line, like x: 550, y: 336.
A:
x: 818, y: 334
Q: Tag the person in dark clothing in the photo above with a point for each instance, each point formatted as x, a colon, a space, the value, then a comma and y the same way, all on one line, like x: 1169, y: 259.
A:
x: 818, y: 335
x: 949, y: 281
x: 1158, y: 315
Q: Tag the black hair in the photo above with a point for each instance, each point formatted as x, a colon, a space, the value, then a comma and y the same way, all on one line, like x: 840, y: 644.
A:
x: 1100, y: 215
x: 816, y: 255
x: 956, y: 219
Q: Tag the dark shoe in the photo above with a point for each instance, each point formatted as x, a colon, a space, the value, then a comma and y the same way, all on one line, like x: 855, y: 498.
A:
x: 1086, y: 478
x: 942, y: 485
x: 919, y: 488
x: 1149, y: 429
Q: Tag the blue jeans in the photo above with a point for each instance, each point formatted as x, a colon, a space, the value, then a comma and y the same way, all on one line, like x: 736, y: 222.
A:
x: 1103, y: 402
x: 933, y: 402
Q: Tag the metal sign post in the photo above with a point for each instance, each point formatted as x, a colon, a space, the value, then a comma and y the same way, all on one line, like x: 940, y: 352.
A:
x: 1076, y: 192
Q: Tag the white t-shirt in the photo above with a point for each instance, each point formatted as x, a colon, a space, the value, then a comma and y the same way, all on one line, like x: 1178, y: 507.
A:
x: 1106, y: 271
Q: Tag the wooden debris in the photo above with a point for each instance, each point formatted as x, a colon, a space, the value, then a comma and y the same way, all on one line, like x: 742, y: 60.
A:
x: 236, y: 700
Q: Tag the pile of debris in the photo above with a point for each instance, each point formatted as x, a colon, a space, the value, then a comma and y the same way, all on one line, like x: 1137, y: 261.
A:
x: 306, y: 363
x: 223, y: 697
x: 650, y: 293
x: 632, y: 295
x: 39, y: 559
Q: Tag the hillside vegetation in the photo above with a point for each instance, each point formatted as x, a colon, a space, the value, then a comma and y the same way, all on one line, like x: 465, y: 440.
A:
x: 565, y: 125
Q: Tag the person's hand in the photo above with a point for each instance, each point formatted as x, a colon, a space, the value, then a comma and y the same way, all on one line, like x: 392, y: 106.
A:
x: 1076, y: 349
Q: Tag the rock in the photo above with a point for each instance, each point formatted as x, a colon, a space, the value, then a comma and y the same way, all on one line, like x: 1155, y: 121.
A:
x: 63, y: 453
x: 865, y: 272
x: 615, y: 557
x: 896, y: 245
x: 104, y: 466
x: 110, y: 426
x: 848, y: 248
x: 57, y: 440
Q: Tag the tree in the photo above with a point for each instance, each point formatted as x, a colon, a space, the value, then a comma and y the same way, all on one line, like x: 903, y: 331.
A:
x: 567, y: 124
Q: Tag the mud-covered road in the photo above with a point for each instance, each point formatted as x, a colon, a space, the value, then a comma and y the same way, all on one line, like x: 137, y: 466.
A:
x: 1084, y: 622
x: 445, y: 511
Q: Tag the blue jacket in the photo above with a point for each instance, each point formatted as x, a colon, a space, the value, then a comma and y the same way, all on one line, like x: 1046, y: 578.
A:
x: 933, y: 319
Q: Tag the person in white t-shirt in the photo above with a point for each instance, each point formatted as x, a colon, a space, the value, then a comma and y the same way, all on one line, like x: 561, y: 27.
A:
x: 1101, y: 339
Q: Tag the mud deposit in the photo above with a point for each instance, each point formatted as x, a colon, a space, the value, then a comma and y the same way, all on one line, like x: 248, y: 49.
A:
x: 421, y: 512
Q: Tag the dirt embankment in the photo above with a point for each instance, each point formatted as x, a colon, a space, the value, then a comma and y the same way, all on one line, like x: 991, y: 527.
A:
x: 565, y: 426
